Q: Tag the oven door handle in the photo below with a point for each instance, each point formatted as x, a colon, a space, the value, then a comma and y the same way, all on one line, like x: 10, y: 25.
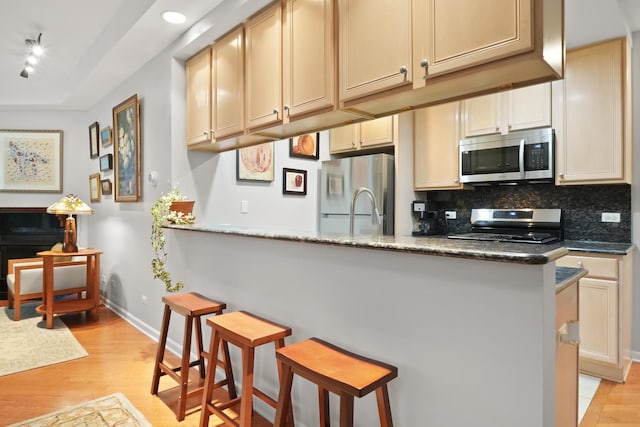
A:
x: 521, y: 158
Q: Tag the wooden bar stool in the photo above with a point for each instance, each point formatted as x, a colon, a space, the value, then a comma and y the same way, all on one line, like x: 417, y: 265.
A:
x: 336, y: 370
x: 192, y: 306
x: 247, y: 332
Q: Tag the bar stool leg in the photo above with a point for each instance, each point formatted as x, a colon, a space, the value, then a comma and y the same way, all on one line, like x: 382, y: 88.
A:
x: 284, y: 396
x: 228, y: 371
x: 323, y: 401
x: 384, y: 407
x: 246, y: 403
x: 160, y: 353
x: 184, y: 369
x: 198, y: 326
x: 207, y: 395
x: 346, y: 410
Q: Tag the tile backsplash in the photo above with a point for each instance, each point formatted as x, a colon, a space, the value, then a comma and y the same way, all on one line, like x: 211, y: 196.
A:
x: 582, y: 207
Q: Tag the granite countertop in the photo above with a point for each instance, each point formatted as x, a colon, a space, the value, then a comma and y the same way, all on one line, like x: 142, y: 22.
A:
x: 566, y: 276
x: 599, y: 247
x: 521, y: 253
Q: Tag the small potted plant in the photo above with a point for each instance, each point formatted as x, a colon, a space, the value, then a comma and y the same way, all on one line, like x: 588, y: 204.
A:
x: 174, y: 208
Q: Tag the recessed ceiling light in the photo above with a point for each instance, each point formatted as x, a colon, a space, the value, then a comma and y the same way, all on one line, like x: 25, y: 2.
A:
x: 32, y: 59
x: 28, y: 68
x: 173, y: 17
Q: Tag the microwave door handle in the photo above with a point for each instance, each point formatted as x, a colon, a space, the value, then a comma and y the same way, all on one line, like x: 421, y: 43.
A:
x: 521, y: 159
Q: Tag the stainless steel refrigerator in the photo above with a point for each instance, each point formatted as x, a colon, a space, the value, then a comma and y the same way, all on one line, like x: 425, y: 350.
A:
x: 340, y: 178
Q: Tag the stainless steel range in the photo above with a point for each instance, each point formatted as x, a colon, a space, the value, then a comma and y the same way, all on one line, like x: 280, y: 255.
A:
x: 515, y: 225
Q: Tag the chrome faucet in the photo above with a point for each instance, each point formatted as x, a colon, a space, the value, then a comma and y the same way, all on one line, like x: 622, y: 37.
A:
x: 375, y: 215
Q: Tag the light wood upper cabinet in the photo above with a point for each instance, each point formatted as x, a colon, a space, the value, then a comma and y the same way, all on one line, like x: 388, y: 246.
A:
x: 198, y: 78
x: 374, y: 45
x: 450, y: 35
x: 523, y: 108
x: 227, y: 82
x: 435, y: 147
x: 381, y: 132
x: 593, y: 124
x: 309, y: 81
x: 263, y: 76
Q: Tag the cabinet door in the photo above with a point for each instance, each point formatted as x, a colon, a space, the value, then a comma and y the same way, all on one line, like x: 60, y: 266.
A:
x: 435, y: 147
x: 455, y: 34
x: 529, y: 107
x: 599, y: 320
x: 198, y: 76
x: 264, y: 68
x: 482, y: 115
x: 376, y: 132
x: 309, y: 82
x: 228, y: 85
x: 343, y: 139
x: 589, y: 135
x: 566, y: 360
x: 374, y: 45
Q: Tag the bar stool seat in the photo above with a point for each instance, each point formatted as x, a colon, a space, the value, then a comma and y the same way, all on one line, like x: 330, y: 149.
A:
x: 339, y: 371
x: 246, y: 331
x: 192, y: 306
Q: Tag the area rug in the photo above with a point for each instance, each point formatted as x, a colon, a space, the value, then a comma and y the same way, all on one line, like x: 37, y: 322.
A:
x: 112, y: 410
x: 28, y: 344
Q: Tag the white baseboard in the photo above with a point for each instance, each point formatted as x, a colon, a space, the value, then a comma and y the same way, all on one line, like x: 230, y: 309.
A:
x: 635, y: 356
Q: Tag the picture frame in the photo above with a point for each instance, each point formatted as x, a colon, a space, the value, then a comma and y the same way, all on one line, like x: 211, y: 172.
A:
x: 255, y: 163
x: 31, y: 161
x: 106, y: 187
x: 94, y: 145
x: 105, y: 136
x: 305, y: 146
x: 127, y: 150
x: 106, y: 162
x: 294, y: 181
x: 94, y: 187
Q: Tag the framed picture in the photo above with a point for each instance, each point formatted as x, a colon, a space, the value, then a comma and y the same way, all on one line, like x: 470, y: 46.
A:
x: 94, y: 146
x: 126, y: 128
x: 305, y: 146
x: 94, y: 187
x: 106, y: 162
x: 31, y: 161
x: 294, y: 181
x: 105, y: 136
x: 255, y: 163
x: 105, y: 186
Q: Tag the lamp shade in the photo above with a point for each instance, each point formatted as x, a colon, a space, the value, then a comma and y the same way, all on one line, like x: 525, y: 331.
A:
x: 70, y: 205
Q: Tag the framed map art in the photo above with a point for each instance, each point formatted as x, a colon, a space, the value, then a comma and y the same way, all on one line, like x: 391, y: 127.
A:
x: 31, y: 161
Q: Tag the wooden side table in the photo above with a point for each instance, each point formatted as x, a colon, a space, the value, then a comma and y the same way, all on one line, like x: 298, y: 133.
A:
x: 91, y: 302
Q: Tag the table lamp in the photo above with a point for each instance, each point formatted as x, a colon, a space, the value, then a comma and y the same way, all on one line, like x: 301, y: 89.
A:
x: 70, y: 205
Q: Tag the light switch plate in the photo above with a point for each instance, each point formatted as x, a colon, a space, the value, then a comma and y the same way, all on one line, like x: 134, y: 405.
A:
x: 610, y: 216
x: 450, y: 214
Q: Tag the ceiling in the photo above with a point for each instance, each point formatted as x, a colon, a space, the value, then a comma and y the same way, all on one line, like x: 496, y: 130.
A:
x: 92, y: 46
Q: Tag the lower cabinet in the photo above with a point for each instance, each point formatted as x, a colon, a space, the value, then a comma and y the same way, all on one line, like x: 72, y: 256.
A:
x: 566, y: 358
x: 605, y: 313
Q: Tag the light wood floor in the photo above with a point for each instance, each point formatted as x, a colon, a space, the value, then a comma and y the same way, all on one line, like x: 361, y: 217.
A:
x: 120, y: 360
x: 616, y: 405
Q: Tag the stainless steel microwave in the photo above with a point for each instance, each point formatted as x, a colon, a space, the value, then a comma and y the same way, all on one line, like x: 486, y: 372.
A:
x: 518, y: 156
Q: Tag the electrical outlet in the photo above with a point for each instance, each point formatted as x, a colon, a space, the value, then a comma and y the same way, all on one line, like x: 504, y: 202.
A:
x: 450, y: 214
x: 244, y: 206
x: 145, y: 301
x: 610, y: 216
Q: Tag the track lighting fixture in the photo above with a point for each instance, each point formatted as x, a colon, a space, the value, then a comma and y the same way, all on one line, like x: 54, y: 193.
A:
x: 35, y: 50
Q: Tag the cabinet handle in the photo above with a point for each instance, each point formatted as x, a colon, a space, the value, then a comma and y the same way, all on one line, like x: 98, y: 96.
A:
x: 205, y: 133
x: 403, y: 69
x: 456, y: 181
x: 569, y: 333
x: 275, y: 111
x: 561, y: 175
x: 580, y: 264
x: 425, y: 64
x: 213, y: 133
x: 286, y: 108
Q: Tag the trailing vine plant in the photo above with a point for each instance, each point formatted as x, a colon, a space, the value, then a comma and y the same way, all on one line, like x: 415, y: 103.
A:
x: 161, y: 213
